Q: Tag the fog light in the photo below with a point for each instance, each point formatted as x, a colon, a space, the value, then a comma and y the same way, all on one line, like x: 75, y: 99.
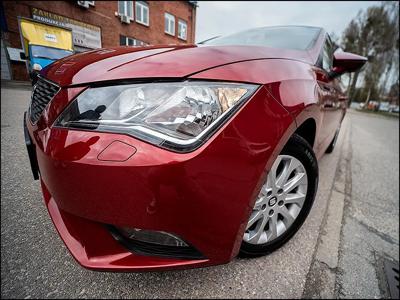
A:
x: 153, y: 237
x: 154, y: 243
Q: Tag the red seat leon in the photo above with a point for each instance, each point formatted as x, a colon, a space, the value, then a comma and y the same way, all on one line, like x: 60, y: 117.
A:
x: 167, y: 157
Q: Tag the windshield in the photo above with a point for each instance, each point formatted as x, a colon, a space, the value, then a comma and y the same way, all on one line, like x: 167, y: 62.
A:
x: 290, y: 37
x: 47, y: 52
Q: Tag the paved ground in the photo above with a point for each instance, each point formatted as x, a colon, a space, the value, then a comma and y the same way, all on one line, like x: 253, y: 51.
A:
x: 361, y: 228
x: 371, y: 217
x: 35, y: 263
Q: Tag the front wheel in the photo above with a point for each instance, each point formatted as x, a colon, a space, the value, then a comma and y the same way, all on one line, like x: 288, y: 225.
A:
x: 284, y: 201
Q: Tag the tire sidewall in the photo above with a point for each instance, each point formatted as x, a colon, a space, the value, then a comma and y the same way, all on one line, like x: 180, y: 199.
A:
x: 300, y: 149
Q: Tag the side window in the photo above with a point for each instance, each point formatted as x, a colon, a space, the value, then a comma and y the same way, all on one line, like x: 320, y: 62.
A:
x: 327, y: 54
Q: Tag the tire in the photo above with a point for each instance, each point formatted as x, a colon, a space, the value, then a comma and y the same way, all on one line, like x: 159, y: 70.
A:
x: 333, y: 142
x: 296, y: 150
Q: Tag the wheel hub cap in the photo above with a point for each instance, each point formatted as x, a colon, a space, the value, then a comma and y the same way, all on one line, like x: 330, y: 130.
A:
x: 279, y: 202
x: 272, y: 201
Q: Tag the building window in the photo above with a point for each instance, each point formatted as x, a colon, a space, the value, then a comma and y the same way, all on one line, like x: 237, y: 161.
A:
x: 127, y: 41
x: 142, y: 12
x: 182, y: 30
x: 125, y: 8
x: 169, y: 24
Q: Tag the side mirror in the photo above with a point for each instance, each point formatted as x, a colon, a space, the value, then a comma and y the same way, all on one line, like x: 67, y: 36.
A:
x: 23, y: 56
x: 345, y: 62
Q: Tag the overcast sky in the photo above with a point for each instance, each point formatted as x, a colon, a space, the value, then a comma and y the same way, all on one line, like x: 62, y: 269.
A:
x: 225, y: 17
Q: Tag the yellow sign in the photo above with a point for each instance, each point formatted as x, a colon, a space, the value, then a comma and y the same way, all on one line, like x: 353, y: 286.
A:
x: 35, y: 33
x: 84, y: 35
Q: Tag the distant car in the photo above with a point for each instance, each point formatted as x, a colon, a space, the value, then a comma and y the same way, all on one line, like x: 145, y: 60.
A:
x: 394, y: 108
x: 43, y: 44
x: 171, y: 157
x: 41, y: 56
x: 373, y: 105
x: 384, y: 106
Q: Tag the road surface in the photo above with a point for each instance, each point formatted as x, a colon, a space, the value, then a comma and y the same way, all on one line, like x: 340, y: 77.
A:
x: 35, y: 263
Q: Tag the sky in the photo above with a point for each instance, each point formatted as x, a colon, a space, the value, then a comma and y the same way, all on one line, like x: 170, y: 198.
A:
x: 225, y: 17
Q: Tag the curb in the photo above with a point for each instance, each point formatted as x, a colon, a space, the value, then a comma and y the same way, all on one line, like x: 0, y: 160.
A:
x: 321, y: 278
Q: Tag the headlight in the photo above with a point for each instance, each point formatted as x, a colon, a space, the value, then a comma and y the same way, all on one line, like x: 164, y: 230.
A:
x: 36, y: 67
x: 179, y: 116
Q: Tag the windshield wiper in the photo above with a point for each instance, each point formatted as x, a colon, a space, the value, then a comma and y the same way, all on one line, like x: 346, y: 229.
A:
x: 202, y: 42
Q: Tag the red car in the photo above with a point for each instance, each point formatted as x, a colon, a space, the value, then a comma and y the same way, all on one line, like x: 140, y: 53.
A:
x: 172, y: 157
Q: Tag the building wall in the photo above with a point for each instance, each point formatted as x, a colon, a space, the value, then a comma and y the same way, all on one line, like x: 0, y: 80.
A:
x: 5, y: 66
x: 103, y: 15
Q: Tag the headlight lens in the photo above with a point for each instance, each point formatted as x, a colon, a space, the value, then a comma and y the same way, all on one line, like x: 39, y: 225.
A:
x: 174, y: 115
x: 36, y: 67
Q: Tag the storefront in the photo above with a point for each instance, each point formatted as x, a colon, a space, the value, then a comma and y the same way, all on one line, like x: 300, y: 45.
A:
x: 85, y: 36
x: 97, y: 24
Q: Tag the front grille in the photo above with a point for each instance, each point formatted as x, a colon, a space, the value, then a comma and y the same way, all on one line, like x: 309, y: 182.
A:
x: 43, y: 92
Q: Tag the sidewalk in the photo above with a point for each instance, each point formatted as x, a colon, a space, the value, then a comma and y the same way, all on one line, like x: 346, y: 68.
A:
x: 359, y: 235
x: 15, y: 84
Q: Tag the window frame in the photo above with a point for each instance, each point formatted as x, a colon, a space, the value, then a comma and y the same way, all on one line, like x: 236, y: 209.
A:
x: 169, y: 17
x: 126, y: 7
x: 182, y: 22
x: 135, y: 41
x: 326, y: 47
x: 142, y: 5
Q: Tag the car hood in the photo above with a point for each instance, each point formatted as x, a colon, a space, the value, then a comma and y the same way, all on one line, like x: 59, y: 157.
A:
x: 155, y: 62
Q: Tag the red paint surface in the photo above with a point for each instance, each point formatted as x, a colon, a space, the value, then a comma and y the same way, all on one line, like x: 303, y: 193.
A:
x: 204, y: 196
x: 117, y: 151
x: 178, y: 62
x: 344, y: 61
x: 157, y: 189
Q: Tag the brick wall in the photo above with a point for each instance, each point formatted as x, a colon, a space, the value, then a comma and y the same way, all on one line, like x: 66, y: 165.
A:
x: 103, y: 16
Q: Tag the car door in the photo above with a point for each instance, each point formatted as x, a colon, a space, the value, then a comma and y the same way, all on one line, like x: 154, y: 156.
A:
x: 330, y: 96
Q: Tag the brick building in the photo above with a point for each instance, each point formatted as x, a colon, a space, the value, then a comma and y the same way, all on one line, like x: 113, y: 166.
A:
x: 97, y: 24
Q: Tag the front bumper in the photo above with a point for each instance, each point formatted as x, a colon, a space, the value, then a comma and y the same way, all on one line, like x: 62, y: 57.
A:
x: 204, y: 196
x: 93, y: 247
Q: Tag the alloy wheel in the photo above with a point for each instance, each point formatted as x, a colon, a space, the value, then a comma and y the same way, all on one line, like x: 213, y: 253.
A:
x: 279, y: 202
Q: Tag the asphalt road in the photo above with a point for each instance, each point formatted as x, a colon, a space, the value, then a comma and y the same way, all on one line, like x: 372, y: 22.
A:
x: 360, y: 230
x: 370, y: 230
x: 35, y: 263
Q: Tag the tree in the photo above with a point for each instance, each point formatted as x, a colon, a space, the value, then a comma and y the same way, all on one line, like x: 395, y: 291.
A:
x: 374, y: 34
x: 393, y: 95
